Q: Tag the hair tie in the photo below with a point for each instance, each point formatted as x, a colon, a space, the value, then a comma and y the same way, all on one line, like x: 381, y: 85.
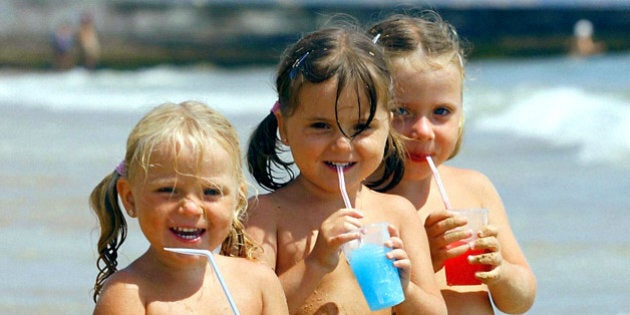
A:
x: 275, y: 108
x: 121, y: 168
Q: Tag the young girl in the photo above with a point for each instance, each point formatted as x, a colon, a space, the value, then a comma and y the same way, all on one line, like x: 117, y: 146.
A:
x: 426, y: 62
x: 182, y: 179
x: 333, y: 90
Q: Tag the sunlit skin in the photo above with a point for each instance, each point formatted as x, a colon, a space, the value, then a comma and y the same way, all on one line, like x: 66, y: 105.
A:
x: 303, y: 225
x: 187, y: 207
x: 318, y: 145
x: 428, y: 111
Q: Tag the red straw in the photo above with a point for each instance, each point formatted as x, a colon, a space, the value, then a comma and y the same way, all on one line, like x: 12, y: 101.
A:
x: 438, y: 181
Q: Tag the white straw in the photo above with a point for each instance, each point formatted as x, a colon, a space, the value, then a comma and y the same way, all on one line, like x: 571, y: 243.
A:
x: 439, y: 183
x: 207, y: 253
x: 342, y: 187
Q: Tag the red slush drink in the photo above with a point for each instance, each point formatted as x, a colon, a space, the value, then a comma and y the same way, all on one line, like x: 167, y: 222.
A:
x: 459, y: 271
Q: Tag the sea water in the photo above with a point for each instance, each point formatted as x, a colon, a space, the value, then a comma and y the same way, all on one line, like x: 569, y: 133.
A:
x: 551, y: 133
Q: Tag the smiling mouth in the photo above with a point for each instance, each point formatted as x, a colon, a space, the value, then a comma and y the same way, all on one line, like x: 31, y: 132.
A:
x: 187, y: 233
x: 343, y: 165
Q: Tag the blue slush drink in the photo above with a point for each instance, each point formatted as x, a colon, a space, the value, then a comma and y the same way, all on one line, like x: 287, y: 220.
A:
x: 377, y: 276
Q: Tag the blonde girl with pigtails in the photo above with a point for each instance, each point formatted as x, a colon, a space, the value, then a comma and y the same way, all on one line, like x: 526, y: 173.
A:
x: 182, y: 179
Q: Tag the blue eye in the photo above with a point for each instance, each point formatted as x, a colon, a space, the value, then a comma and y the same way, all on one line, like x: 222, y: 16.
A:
x: 211, y: 192
x: 168, y: 190
x: 400, y: 111
x: 442, y: 111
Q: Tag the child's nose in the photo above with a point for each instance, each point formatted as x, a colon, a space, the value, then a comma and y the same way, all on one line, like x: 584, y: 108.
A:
x: 342, y: 143
x: 190, y: 205
x: 422, y: 129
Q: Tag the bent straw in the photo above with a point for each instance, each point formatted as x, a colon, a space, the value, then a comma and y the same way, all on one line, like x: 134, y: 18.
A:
x: 207, y: 253
x: 439, y: 183
x: 342, y: 187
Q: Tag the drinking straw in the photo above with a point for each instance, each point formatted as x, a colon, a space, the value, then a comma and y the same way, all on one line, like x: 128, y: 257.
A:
x: 207, y: 253
x: 342, y: 187
x: 438, y: 181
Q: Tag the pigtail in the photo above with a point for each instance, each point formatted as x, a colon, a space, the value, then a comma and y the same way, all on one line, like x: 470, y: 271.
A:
x: 104, y: 202
x: 262, y: 155
x: 392, y: 168
x: 238, y: 243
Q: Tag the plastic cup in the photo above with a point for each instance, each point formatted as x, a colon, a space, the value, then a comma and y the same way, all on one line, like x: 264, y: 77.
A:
x: 458, y: 270
x: 376, y: 274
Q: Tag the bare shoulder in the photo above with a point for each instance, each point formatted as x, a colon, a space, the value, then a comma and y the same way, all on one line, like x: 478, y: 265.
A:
x: 259, y: 204
x: 120, y: 294
x: 250, y: 269
x: 469, y: 179
x: 392, y: 203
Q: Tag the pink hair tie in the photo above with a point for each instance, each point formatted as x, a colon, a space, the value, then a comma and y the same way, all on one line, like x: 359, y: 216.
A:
x: 276, y: 107
x: 121, y: 168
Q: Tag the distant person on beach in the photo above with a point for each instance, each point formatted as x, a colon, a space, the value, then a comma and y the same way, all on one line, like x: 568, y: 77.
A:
x: 62, y: 43
x: 333, y: 110
x: 88, y: 41
x: 427, y: 66
x: 182, y: 179
x: 583, y: 44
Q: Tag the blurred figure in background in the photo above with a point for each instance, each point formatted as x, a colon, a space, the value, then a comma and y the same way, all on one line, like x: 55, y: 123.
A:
x: 583, y: 44
x: 88, y: 41
x: 62, y: 43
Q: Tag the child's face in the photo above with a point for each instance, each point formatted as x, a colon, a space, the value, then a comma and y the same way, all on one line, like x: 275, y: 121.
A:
x: 428, y: 111
x: 318, y: 145
x: 186, y: 207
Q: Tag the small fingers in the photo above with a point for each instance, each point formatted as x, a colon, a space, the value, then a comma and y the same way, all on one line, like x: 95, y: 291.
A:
x: 488, y: 277
x: 441, y: 222
x: 490, y: 243
x: 492, y: 258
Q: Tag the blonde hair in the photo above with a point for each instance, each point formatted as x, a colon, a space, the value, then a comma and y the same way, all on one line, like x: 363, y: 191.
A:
x: 426, y: 34
x: 168, y: 126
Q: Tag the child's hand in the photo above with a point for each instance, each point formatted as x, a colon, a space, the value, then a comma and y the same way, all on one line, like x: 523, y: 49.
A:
x: 488, y: 241
x: 399, y: 255
x: 440, y: 233
x: 340, y: 227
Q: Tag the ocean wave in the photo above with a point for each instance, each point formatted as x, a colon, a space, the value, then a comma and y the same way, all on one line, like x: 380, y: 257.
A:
x: 109, y: 90
x: 598, y: 124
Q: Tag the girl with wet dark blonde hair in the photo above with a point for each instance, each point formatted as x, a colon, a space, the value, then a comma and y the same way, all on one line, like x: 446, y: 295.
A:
x: 427, y: 65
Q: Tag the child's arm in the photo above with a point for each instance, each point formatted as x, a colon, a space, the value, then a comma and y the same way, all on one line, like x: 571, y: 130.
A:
x: 511, y: 282
x: 301, y: 280
x: 274, y: 300
x: 422, y: 294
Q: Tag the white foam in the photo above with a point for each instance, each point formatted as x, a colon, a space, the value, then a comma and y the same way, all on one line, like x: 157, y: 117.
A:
x: 598, y: 124
x: 230, y: 92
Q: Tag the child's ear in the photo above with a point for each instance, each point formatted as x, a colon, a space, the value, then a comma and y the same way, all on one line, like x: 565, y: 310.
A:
x: 126, y: 196
x: 281, y: 131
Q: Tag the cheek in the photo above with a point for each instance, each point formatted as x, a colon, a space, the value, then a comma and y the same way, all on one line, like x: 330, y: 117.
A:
x: 222, y: 213
x: 373, y: 145
x: 448, y: 137
x: 402, y: 126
